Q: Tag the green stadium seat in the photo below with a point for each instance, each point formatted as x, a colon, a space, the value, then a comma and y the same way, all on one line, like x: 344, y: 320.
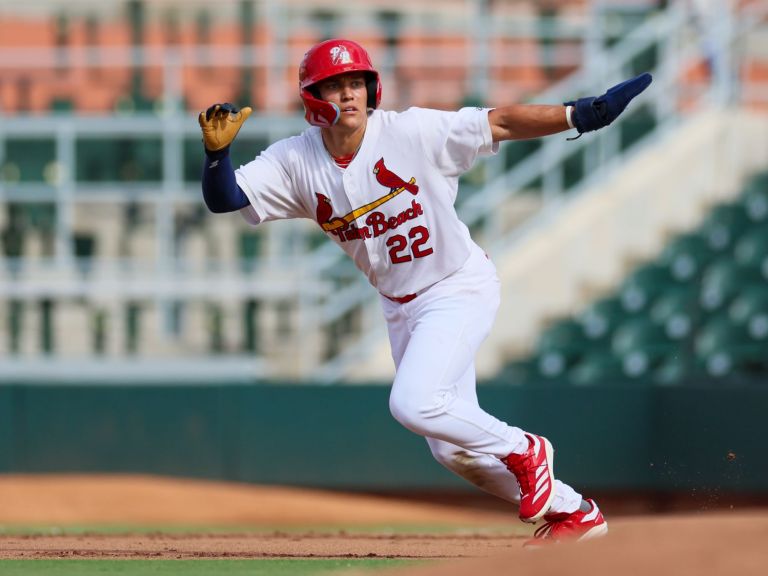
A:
x: 641, y: 344
x: 750, y: 309
x: 752, y: 249
x: 686, y: 256
x: 519, y: 372
x: 723, y: 226
x: 601, y: 318
x: 31, y: 157
x: 598, y: 367
x: 724, y: 279
x: 644, y: 285
x: 755, y: 198
x: 723, y: 348
x: 674, y: 369
x: 677, y: 310
x: 559, y: 347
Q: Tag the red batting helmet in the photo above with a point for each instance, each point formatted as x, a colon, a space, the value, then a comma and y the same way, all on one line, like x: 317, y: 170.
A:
x: 327, y: 59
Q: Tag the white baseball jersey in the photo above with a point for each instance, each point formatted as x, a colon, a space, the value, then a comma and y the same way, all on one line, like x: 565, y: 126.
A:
x: 392, y: 209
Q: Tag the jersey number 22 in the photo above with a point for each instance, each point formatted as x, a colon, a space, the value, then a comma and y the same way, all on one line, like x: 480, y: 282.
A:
x: 398, y: 245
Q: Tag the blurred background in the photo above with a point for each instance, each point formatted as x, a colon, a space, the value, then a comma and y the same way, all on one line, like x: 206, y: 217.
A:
x: 634, y: 260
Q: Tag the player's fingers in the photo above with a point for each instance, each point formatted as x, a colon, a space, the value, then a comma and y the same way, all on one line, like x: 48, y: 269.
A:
x: 211, y: 112
x: 245, y: 113
x: 202, y: 120
x: 229, y: 108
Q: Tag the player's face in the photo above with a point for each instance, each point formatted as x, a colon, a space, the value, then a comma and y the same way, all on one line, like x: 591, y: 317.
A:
x: 349, y: 93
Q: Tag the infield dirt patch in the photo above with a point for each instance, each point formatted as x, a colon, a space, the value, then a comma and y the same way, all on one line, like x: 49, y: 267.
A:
x: 715, y: 544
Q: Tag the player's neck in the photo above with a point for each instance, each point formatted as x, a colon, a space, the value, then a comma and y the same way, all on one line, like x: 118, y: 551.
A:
x: 341, y: 143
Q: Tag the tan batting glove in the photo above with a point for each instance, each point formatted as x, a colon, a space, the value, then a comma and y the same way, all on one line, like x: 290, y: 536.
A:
x: 220, y: 124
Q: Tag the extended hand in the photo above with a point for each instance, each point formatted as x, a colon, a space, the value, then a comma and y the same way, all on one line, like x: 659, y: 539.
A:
x: 593, y: 113
x: 220, y: 124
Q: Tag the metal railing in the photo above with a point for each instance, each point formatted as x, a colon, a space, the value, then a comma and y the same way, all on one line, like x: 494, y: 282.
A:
x: 321, y: 284
x: 675, y: 35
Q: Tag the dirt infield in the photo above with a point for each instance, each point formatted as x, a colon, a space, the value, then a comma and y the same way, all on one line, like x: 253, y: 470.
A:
x: 712, y: 543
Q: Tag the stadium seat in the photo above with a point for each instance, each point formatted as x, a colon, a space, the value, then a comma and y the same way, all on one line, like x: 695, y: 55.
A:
x: 644, y: 285
x: 723, y: 347
x: 559, y: 347
x: 599, y: 367
x: 673, y: 369
x: 724, y: 279
x: 751, y: 303
x: 677, y: 311
x: 723, y: 226
x: 641, y: 344
x: 601, y: 318
x: 752, y: 249
x: 686, y: 256
x: 31, y: 156
x: 755, y: 197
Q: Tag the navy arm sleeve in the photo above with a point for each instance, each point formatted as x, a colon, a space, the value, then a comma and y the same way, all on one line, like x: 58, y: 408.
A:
x: 220, y: 190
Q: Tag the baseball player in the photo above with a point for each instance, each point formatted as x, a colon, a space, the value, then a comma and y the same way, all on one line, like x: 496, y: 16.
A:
x: 382, y: 185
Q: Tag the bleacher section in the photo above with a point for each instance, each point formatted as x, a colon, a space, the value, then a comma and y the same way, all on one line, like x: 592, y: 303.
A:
x: 107, y: 253
x: 699, y: 310
x: 147, y: 55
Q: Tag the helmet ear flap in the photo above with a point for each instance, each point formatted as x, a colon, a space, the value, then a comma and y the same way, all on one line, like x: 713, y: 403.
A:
x: 373, y: 85
x: 319, y: 112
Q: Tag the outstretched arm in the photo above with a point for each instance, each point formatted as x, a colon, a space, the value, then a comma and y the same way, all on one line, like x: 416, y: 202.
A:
x: 585, y: 114
x: 522, y: 121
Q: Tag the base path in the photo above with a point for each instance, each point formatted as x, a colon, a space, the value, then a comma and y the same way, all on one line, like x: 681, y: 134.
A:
x: 713, y: 543
x: 279, y: 545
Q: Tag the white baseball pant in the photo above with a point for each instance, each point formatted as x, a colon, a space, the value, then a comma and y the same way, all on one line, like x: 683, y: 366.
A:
x: 434, y: 339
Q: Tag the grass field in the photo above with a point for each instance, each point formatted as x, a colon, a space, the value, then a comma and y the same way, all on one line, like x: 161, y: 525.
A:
x: 79, y: 557
x: 266, y: 567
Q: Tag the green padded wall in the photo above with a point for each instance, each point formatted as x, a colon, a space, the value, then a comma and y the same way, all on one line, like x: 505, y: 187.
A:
x: 611, y: 437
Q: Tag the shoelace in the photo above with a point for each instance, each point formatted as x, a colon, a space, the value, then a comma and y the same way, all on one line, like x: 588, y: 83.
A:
x: 545, y: 530
x: 519, y: 471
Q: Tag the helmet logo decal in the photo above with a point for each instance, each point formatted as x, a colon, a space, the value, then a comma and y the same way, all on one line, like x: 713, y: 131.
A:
x: 340, y: 55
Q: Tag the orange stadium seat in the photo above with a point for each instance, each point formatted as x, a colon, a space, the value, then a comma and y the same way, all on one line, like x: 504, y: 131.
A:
x: 204, y: 95
x: 431, y: 70
x: 754, y: 75
x: 114, y: 33
x: 26, y: 33
x: 517, y: 61
x: 7, y: 97
x: 695, y: 79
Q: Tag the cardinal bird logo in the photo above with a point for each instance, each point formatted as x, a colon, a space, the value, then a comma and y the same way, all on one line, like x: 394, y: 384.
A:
x: 385, y: 177
x: 324, y: 214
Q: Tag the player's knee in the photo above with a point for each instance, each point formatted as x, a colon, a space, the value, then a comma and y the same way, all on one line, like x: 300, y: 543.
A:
x: 405, y: 412
x: 418, y: 414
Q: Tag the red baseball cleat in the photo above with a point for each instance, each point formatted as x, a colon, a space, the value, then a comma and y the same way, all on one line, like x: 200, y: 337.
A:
x: 575, y: 526
x: 533, y: 470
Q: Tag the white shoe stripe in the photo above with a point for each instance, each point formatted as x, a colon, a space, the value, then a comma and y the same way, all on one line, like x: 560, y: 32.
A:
x: 540, y: 471
x: 540, y: 492
x: 541, y: 481
x: 592, y: 514
x: 536, y: 444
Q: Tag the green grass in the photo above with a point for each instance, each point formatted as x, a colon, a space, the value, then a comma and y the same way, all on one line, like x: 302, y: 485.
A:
x: 266, y: 567
x: 222, y: 567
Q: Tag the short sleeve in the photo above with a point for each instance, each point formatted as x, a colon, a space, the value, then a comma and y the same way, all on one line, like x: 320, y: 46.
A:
x: 454, y: 140
x: 267, y: 183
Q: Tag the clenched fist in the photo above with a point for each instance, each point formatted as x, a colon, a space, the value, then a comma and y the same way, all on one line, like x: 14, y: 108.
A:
x: 220, y: 124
